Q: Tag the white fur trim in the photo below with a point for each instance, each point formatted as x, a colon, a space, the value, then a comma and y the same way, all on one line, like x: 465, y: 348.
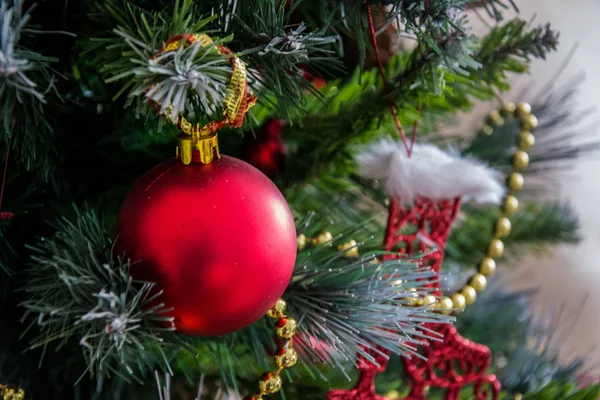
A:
x: 430, y: 172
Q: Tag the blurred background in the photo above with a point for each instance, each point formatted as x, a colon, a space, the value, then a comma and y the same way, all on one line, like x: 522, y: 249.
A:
x: 570, y: 274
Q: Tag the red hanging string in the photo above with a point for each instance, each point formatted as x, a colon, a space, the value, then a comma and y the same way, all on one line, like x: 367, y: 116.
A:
x: 5, y: 214
x: 385, y: 85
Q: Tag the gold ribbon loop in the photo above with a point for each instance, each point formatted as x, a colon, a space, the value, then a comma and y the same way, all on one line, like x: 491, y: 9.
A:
x: 238, y: 100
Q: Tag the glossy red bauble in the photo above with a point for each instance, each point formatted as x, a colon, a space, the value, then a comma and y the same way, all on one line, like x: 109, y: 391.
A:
x: 218, y: 239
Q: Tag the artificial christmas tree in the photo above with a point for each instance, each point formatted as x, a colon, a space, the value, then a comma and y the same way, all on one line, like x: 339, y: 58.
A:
x: 359, y: 258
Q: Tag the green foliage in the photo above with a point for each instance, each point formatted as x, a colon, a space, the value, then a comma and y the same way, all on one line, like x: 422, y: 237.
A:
x: 5, y: 247
x: 429, y: 81
x: 534, y: 227
x: 349, y: 304
x: 26, y: 84
x: 79, y: 293
x: 426, y: 21
x: 509, y: 48
x: 493, y: 8
x: 525, y: 344
x: 565, y: 391
x: 194, y: 79
x: 279, y: 53
x: 191, y: 78
x: 80, y: 299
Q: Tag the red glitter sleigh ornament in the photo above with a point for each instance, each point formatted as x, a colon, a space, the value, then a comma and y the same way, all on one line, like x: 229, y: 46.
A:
x: 423, y: 225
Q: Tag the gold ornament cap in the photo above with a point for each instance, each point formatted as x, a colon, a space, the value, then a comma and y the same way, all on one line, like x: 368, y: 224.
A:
x: 199, y: 149
x: 199, y: 143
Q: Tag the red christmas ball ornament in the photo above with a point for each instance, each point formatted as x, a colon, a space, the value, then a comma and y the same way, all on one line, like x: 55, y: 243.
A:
x: 266, y: 151
x: 218, y: 239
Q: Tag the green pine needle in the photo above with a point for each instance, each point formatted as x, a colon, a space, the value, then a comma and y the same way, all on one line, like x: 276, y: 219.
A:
x: 534, y: 227
x: 345, y: 306
x: 80, y: 295
x: 430, y: 81
x: 192, y: 79
x: 26, y: 84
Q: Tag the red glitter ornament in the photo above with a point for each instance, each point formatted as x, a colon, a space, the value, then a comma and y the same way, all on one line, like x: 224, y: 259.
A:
x: 218, y: 239
x: 451, y: 363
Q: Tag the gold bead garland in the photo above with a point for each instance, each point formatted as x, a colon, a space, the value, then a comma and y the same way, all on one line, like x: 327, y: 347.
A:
x: 514, y: 182
x: 350, y: 249
x: 467, y: 295
x: 7, y: 393
x: 285, y: 356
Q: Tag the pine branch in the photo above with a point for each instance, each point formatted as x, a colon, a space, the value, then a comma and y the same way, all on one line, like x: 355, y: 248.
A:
x: 534, y: 227
x: 435, y: 83
x: 325, y: 140
x: 77, y: 292
x: 26, y: 83
x: 566, y: 391
x: 526, y: 354
x: 493, y: 8
x: 509, y: 48
x: 279, y: 53
x: 416, y: 17
x: 193, y: 79
x: 6, y: 249
x: 563, y: 134
x: 190, y: 79
x: 164, y: 389
x: 345, y: 307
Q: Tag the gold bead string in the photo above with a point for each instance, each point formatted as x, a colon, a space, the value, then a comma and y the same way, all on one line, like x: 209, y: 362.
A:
x: 350, y: 248
x: 467, y: 295
x: 11, y: 394
x: 285, y: 356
